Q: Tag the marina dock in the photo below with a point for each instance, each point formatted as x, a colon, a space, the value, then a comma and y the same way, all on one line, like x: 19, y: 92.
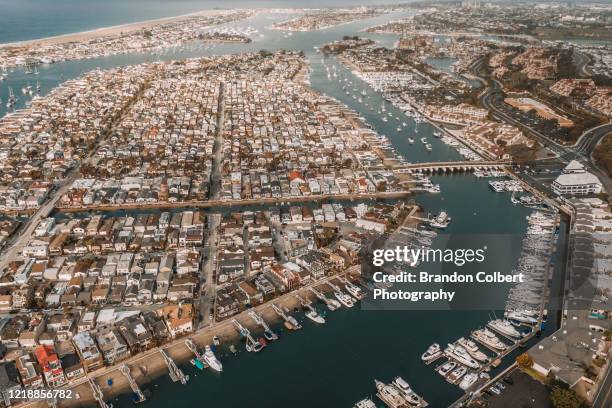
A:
x: 98, y: 395
x: 251, y: 343
x: 289, y: 320
x: 305, y: 303
x: 194, y: 349
x: 321, y: 297
x: 175, y: 373
x: 125, y: 369
x: 270, y: 335
x: 334, y: 287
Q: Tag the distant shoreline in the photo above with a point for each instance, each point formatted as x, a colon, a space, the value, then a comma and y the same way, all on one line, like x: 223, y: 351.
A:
x: 111, y: 30
x: 131, y: 27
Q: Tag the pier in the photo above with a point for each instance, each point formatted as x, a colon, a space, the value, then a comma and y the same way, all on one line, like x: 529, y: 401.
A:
x: 305, y: 303
x: 260, y: 321
x: 194, y: 349
x: 175, y: 373
x: 288, y: 319
x: 98, y: 395
x: 321, y: 297
x: 125, y: 369
x: 334, y: 287
x: 244, y: 332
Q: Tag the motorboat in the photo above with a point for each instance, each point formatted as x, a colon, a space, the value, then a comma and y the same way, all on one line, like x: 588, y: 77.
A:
x: 504, y: 327
x: 461, y: 355
x: 315, y: 317
x: 432, y: 353
x: 211, y: 359
x: 343, y: 298
x: 406, y: 391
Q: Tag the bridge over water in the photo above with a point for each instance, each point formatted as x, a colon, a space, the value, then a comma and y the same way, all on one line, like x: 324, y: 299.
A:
x: 444, y: 167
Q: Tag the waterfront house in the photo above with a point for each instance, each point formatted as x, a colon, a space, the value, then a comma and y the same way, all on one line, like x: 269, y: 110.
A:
x: 29, y: 371
x: 87, y: 350
x: 50, y: 365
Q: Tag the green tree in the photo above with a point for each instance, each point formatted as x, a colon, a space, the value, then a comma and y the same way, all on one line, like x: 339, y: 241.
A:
x: 561, y: 398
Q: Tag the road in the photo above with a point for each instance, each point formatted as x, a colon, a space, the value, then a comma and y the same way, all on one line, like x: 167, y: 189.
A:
x: 588, y: 140
x: 208, y: 267
x: 580, y: 151
x: 603, y: 398
x: 582, y: 60
x: 215, y: 175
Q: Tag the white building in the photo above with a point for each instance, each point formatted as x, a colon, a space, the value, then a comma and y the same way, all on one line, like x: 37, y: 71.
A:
x: 575, y: 180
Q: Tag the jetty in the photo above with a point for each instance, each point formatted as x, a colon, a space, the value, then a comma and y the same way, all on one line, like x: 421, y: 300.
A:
x: 289, y: 320
x: 97, y: 394
x: 305, y: 303
x: 251, y: 343
x: 334, y: 287
x: 268, y: 333
x: 194, y: 349
x: 175, y: 373
x: 323, y: 298
x: 125, y: 369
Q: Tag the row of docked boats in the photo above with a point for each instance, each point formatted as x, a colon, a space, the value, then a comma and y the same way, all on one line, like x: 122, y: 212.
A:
x: 536, y: 264
x: 501, y: 186
x: 397, y: 394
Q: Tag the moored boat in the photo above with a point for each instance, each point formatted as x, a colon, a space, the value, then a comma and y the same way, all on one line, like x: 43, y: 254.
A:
x: 504, y: 327
x: 432, y: 353
x: 315, y: 317
x: 404, y: 388
x: 211, y: 360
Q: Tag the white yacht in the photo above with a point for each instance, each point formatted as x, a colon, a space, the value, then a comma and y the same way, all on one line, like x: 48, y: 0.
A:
x: 432, y: 353
x: 447, y: 368
x: 332, y: 304
x: 504, y: 327
x: 211, y: 360
x: 428, y: 147
x: 343, y: 298
x: 406, y: 391
x: 389, y: 395
x: 456, y: 374
x: 410, y: 140
x: 365, y: 403
x: 461, y: 355
x: 521, y: 317
x: 468, y: 380
x: 472, y: 349
x: 440, y: 221
x: 354, y: 290
x: 488, y: 338
x: 315, y: 317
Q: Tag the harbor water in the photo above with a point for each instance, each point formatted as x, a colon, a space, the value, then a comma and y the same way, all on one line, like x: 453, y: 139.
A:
x: 335, y: 364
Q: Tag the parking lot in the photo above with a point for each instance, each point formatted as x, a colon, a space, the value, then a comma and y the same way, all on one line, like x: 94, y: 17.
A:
x: 524, y: 392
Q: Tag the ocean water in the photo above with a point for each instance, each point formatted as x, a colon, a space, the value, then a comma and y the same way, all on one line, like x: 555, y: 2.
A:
x: 332, y: 365
x: 29, y: 19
